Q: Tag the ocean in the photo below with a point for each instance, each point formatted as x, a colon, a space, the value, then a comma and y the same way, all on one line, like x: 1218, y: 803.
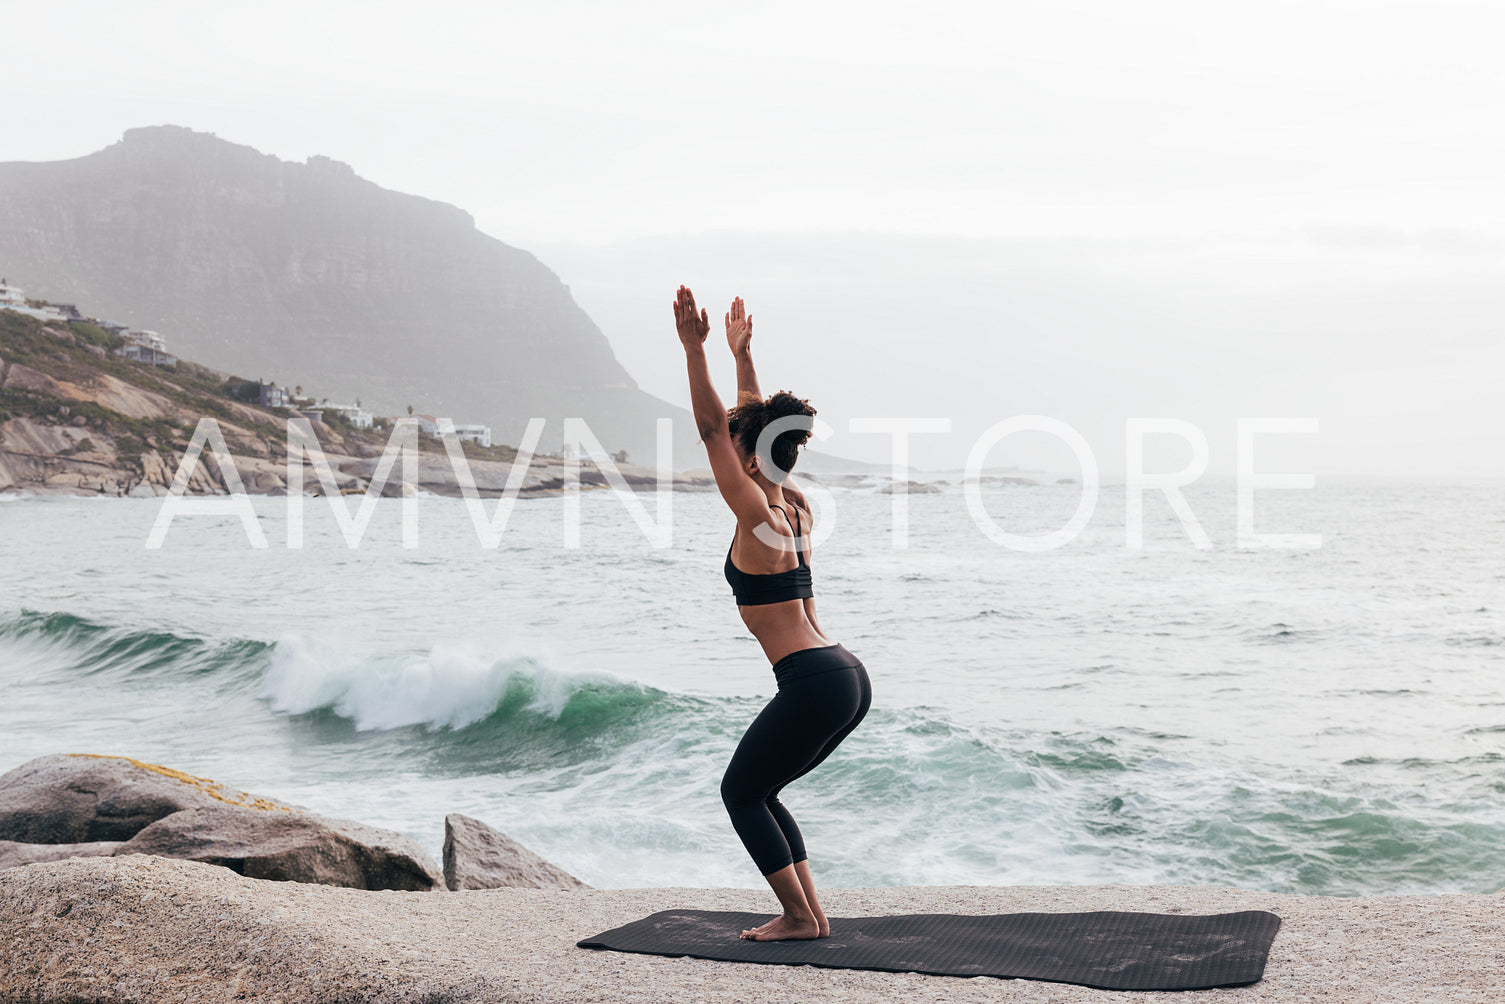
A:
x: 1323, y: 721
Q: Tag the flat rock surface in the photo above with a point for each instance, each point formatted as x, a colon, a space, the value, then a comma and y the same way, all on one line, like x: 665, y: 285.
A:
x: 150, y: 929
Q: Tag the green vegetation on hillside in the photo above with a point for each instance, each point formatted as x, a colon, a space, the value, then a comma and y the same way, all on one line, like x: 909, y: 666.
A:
x: 79, y: 353
x: 95, y: 335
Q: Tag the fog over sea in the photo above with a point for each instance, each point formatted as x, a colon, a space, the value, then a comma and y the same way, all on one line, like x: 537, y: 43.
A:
x: 1326, y: 721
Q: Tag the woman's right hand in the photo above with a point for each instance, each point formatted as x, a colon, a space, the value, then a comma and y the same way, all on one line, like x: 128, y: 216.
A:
x: 738, y: 327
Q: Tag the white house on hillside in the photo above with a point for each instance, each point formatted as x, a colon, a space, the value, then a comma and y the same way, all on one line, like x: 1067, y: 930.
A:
x: 11, y: 294
x: 479, y: 434
x: 357, y: 416
x: 146, y: 347
x: 147, y: 354
x: 14, y: 298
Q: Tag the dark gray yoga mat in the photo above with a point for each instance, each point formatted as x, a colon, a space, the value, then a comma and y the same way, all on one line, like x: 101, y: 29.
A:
x: 1107, y: 950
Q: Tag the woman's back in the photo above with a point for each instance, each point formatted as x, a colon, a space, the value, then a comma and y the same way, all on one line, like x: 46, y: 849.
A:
x: 775, y: 595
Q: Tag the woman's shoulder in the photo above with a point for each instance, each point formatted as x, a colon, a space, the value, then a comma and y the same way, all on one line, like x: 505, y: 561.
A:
x: 796, y: 498
x: 800, y: 510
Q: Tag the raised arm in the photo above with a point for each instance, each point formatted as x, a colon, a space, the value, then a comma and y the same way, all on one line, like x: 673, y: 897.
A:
x: 737, y: 488
x: 739, y: 339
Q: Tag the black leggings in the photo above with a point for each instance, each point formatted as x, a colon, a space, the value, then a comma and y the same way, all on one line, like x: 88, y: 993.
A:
x: 823, y: 694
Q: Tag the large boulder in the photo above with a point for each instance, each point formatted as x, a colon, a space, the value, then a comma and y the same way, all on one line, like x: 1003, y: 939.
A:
x: 14, y: 854
x: 291, y: 847
x: 478, y: 857
x: 70, y: 798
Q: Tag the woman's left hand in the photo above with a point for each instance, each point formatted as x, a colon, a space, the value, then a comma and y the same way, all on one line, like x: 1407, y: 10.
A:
x: 738, y: 327
x: 693, y: 327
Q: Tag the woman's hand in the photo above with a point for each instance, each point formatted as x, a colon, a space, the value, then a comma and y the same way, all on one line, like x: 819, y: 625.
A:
x: 738, y: 327
x: 692, y: 327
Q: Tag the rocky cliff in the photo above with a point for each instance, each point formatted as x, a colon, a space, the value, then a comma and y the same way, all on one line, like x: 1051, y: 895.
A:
x: 307, y: 271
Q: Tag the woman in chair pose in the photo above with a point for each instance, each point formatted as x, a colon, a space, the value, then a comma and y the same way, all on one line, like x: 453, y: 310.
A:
x: 823, y: 690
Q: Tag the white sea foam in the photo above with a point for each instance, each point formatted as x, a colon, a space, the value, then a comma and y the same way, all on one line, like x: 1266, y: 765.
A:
x: 447, y: 686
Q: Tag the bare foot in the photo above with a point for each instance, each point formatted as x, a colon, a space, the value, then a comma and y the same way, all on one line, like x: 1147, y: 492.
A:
x: 785, y: 928
x: 822, y: 923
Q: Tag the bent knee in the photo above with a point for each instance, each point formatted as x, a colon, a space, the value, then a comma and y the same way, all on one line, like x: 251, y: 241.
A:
x: 733, y: 793
x: 737, y: 793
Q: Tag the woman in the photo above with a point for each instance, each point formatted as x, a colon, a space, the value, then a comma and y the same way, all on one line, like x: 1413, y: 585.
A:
x: 823, y: 690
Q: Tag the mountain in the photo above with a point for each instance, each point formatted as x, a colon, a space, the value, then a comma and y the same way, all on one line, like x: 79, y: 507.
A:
x: 308, y: 273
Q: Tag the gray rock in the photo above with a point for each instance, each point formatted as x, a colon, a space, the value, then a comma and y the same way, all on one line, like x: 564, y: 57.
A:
x: 291, y: 847
x: 265, y: 482
x: 909, y: 488
x: 478, y: 857
x: 14, y: 854
x: 71, y: 798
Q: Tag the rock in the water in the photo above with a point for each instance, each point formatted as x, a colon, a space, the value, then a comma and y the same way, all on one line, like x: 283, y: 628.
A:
x: 291, y: 847
x: 909, y: 488
x: 478, y: 857
x: 14, y: 854
x: 71, y: 798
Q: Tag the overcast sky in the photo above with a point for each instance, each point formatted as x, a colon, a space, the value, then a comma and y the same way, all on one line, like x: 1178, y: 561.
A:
x: 1094, y: 211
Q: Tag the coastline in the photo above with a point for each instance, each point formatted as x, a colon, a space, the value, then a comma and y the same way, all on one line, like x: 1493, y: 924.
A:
x: 262, y: 478
x: 147, y: 928
x: 77, y: 419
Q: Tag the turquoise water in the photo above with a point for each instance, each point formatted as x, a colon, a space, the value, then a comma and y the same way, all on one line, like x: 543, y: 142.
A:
x: 1322, y: 721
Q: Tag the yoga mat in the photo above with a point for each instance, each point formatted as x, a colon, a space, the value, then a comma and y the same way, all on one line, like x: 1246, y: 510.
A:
x: 1106, y: 950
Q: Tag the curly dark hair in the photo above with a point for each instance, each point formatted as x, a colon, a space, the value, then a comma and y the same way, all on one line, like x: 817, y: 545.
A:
x: 747, y: 421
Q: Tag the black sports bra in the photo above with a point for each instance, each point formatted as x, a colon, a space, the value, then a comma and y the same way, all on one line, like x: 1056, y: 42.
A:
x: 776, y: 587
